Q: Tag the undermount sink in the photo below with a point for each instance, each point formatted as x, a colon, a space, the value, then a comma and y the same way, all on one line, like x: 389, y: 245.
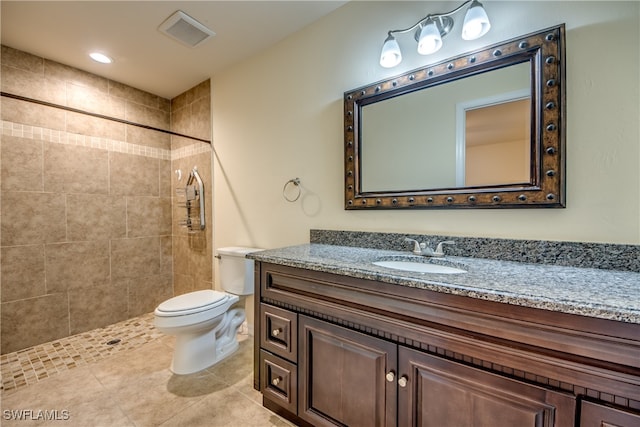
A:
x: 419, y: 267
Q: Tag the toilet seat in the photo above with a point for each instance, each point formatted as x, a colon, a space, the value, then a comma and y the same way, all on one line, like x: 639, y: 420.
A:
x: 191, y: 303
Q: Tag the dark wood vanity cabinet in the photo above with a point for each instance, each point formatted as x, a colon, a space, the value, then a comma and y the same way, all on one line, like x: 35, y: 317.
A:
x: 345, y: 378
x: 597, y: 415
x: 348, y: 378
x: 439, y: 392
x: 338, y: 351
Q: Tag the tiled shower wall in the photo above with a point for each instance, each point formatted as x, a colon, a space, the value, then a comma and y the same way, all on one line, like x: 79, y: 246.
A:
x: 192, y: 252
x: 86, y: 217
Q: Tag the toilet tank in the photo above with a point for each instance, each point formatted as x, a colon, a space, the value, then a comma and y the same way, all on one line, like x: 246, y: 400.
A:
x: 236, y: 271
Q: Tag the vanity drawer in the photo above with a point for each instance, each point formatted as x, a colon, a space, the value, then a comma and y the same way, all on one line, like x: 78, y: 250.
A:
x: 279, y: 332
x: 279, y: 381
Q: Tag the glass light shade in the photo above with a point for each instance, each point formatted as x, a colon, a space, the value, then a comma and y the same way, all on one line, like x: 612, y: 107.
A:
x: 429, y: 40
x: 391, y: 55
x: 476, y: 22
x: 100, y: 57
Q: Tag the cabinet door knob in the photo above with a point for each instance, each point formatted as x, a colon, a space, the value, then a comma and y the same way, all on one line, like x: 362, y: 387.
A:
x: 390, y: 376
x: 276, y: 381
x: 402, y: 382
x: 276, y: 332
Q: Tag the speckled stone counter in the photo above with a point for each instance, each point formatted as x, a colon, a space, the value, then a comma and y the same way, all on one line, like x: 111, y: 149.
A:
x: 606, y: 294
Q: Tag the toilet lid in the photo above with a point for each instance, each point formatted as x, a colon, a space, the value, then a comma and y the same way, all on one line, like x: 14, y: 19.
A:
x: 193, y: 301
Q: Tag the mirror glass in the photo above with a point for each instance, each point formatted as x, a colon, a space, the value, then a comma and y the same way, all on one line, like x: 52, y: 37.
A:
x: 411, y: 142
x: 484, y: 129
x: 496, y: 138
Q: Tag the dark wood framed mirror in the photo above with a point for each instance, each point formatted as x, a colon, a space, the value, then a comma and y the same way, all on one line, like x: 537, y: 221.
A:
x: 485, y: 129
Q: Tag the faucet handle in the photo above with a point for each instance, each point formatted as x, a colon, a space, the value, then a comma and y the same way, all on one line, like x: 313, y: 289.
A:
x: 439, y: 249
x: 417, y: 246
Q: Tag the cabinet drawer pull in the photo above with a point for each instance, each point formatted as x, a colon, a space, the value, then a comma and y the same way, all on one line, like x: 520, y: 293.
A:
x: 276, y: 332
x: 390, y: 376
x: 402, y: 382
x: 276, y: 381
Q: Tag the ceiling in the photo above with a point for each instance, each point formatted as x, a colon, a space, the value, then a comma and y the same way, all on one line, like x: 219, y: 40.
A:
x: 145, y: 58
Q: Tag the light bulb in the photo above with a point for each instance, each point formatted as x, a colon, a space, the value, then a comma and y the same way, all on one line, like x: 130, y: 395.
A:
x: 476, y: 22
x: 100, y: 57
x: 391, y: 55
x: 429, y: 40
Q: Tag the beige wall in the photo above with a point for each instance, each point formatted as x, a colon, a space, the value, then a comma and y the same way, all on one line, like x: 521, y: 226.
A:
x: 86, y: 218
x: 278, y: 116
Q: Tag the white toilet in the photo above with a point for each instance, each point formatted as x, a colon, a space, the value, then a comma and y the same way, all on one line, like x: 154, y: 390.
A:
x: 204, y: 322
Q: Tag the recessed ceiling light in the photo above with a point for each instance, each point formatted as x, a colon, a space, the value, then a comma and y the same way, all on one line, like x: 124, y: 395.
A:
x: 100, y: 57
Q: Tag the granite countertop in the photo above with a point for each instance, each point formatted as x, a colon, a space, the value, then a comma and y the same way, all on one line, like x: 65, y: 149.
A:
x: 606, y: 294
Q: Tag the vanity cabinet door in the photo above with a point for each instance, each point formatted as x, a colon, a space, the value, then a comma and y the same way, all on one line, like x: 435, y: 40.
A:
x: 594, y: 415
x: 342, y: 377
x: 437, y: 392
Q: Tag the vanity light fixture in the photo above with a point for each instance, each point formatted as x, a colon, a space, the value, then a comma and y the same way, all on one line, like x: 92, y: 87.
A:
x: 430, y: 30
x: 101, y: 58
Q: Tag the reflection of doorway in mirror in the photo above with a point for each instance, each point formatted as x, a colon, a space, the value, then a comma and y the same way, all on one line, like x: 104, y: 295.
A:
x: 494, y: 140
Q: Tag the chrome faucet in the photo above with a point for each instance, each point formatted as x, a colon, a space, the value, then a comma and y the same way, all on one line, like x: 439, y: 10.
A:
x: 417, y: 246
x: 422, y: 249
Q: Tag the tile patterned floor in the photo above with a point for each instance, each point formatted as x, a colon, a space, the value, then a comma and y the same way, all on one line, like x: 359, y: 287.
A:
x: 80, y: 381
x: 32, y: 364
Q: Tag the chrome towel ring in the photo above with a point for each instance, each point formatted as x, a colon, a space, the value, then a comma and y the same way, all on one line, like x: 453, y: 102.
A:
x: 296, y: 183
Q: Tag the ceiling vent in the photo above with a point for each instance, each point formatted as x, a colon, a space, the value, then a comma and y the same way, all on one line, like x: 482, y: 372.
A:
x: 186, y: 30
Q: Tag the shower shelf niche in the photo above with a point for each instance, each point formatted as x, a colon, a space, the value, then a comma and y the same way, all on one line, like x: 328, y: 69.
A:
x: 192, y: 196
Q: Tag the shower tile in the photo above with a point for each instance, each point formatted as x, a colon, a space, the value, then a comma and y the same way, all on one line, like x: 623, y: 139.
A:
x: 21, y: 82
x: 181, y: 120
x: 32, y: 85
x: 166, y: 255
x: 58, y: 71
x: 22, y: 60
x: 56, y: 390
x: 74, y: 353
x: 134, y: 175
x: 146, y: 293
x: 96, y: 127
x: 136, y: 95
x: 75, y: 169
x: 31, y: 218
x: 96, y: 217
x: 183, y: 284
x: 32, y: 114
x: 148, y: 137
x: 202, y: 90
x: 91, y: 308
x: 94, y: 101
x: 164, y: 104
x: 181, y: 101
x: 148, y: 216
x: 21, y: 164
x: 147, y: 116
x: 35, y: 320
x: 201, y: 118
x: 181, y: 256
x: 22, y: 272
x: 179, y: 142
x: 135, y: 258
x: 166, y: 176
x: 202, y: 265
x: 77, y: 265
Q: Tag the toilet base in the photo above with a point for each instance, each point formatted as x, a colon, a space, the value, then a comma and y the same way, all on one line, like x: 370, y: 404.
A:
x: 196, y: 351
